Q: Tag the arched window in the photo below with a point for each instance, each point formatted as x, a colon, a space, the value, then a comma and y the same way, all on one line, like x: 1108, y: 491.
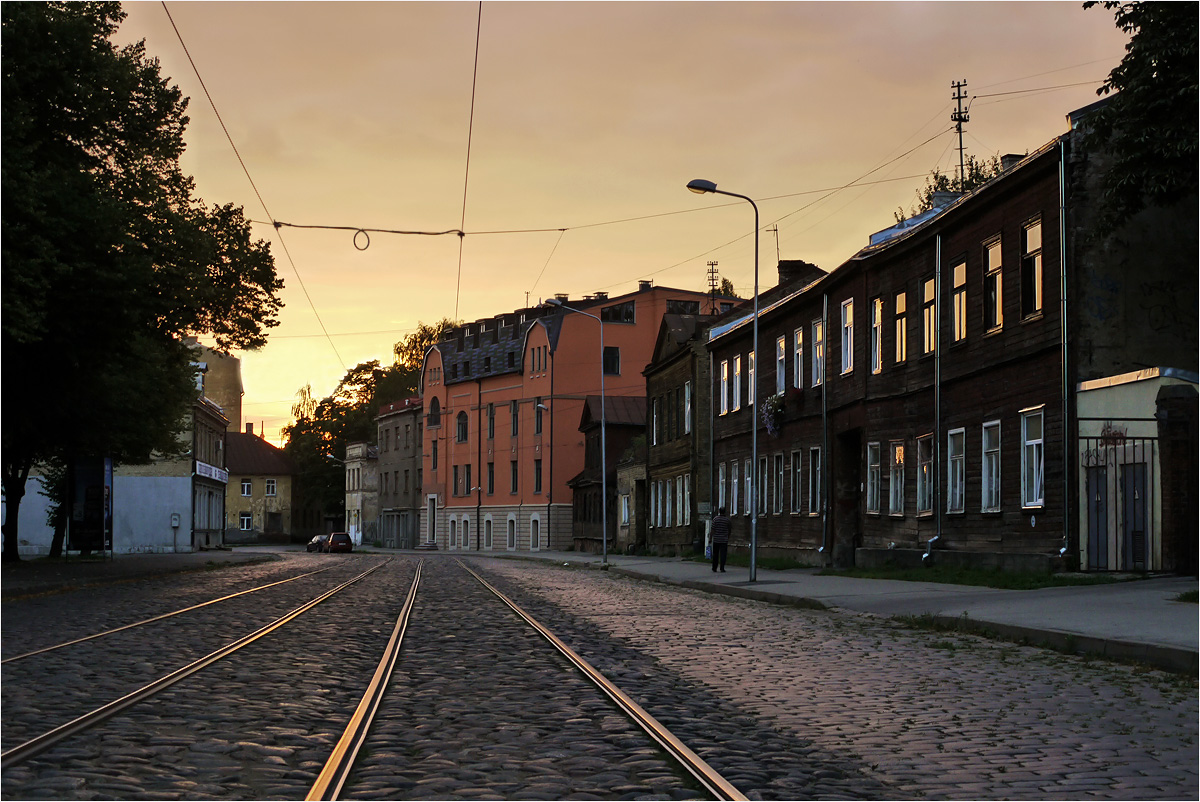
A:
x: 461, y: 427
x: 435, y: 413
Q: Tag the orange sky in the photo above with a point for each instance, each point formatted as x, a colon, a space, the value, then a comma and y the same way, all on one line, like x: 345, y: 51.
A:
x: 357, y: 114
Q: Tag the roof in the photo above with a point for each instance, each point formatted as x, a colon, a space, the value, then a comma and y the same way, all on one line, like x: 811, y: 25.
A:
x: 619, y: 410
x: 407, y: 405
x: 251, y: 455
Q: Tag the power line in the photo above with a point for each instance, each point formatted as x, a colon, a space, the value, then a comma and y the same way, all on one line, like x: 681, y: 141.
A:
x: 253, y: 186
x: 467, y: 169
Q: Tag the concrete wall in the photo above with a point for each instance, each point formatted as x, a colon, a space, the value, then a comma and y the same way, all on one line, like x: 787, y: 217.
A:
x: 142, y: 509
x: 34, y: 534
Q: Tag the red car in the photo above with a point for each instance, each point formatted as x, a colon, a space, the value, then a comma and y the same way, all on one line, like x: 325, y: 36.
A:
x: 339, y: 541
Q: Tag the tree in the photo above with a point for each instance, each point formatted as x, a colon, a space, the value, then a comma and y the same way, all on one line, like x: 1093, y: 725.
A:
x: 1149, y: 126
x: 726, y: 288
x: 109, y: 261
x: 978, y: 173
x: 410, y: 352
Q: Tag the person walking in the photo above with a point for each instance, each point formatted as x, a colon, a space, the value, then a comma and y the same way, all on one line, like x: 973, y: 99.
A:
x: 720, y: 539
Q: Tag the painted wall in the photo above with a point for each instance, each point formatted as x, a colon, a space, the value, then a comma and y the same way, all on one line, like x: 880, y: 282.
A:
x: 142, y: 510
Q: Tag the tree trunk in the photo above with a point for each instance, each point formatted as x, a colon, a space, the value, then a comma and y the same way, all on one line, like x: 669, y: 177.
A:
x: 16, y: 474
x: 60, y: 533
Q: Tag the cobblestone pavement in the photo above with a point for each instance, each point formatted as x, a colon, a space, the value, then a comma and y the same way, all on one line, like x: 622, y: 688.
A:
x: 786, y: 703
x: 928, y: 714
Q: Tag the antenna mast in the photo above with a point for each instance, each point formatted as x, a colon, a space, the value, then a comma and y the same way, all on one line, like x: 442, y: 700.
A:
x: 959, y: 117
x: 714, y: 283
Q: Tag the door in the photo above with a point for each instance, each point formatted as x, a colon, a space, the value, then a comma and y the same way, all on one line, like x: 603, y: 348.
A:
x: 1133, y: 509
x: 1097, y: 517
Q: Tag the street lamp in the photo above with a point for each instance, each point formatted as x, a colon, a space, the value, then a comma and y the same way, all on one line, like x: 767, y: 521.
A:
x: 702, y: 186
x: 603, y: 442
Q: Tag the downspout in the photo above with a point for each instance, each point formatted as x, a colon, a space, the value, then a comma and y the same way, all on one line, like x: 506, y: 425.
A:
x: 937, y: 401
x: 1068, y: 471
x: 713, y: 491
x: 478, y: 461
x: 550, y: 461
x: 823, y: 489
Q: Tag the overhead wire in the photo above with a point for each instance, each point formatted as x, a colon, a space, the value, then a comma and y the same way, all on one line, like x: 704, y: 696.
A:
x: 467, y: 169
x: 249, y: 178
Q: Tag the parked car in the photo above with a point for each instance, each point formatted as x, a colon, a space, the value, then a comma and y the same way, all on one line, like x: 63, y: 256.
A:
x: 318, y: 543
x: 339, y: 541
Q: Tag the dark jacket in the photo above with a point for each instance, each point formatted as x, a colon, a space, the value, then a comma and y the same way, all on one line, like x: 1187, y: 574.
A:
x: 720, y: 529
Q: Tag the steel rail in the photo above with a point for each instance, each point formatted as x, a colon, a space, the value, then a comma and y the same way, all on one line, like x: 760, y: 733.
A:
x: 157, y: 618
x: 717, y: 785
x: 337, y: 769
x: 44, y: 741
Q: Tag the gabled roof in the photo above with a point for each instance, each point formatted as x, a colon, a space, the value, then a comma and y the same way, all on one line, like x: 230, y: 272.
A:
x: 250, y: 455
x: 619, y: 410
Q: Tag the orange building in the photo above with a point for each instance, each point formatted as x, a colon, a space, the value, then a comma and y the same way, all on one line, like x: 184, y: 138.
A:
x: 503, y: 400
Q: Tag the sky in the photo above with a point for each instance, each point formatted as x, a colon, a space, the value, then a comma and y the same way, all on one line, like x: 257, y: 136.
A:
x: 588, y: 120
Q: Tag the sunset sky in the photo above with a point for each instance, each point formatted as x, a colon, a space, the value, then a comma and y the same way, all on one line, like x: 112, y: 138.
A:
x: 589, y: 117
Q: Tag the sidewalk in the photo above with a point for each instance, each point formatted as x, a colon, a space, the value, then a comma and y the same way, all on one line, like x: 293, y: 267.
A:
x: 1135, y: 620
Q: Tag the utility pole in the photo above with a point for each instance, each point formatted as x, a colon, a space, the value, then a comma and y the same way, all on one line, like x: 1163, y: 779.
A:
x: 959, y: 117
x: 714, y: 284
x: 775, y: 228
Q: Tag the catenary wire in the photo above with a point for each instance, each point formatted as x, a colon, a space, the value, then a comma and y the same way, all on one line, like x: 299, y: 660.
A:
x: 467, y: 169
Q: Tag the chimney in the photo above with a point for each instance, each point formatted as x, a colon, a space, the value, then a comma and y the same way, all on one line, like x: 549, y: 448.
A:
x: 798, y: 272
x: 562, y: 297
x: 644, y: 285
x: 1009, y: 161
x: 602, y: 296
x: 941, y: 199
x: 249, y: 428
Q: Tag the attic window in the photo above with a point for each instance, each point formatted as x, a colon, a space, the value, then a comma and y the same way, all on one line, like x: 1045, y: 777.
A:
x: 618, y: 313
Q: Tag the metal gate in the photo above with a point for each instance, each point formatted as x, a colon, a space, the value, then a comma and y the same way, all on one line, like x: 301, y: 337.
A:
x: 1119, y: 476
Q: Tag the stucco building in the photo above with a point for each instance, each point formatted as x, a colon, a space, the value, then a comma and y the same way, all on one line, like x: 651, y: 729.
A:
x: 400, y: 429
x: 258, y: 499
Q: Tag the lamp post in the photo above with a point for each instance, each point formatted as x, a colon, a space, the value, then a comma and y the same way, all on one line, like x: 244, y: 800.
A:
x: 702, y: 186
x: 603, y: 442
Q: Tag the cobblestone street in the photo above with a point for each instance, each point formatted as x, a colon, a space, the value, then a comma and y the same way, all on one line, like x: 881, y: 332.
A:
x: 786, y: 703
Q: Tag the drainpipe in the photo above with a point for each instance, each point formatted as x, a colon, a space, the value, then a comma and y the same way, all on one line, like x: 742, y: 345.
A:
x: 478, y: 461
x: 550, y: 461
x: 713, y: 491
x: 937, y: 401
x: 823, y: 489
x: 1068, y: 470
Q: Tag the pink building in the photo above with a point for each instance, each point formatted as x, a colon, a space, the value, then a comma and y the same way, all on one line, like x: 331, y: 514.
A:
x: 503, y: 400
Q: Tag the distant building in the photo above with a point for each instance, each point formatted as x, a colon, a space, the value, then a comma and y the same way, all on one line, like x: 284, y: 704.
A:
x: 625, y: 420
x: 362, y: 493
x: 399, y: 441
x: 258, y: 499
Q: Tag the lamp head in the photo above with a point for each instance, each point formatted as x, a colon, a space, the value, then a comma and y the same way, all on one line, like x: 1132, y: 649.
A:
x: 701, y: 185
x: 552, y: 302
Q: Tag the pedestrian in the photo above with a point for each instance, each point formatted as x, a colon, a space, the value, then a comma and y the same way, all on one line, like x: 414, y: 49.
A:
x: 720, y: 540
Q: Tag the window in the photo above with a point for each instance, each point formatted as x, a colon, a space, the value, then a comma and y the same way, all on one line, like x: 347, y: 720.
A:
x: 687, y: 499
x: 460, y: 427
x: 734, y: 484
x: 721, y: 486
x: 467, y: 483
x: 750, y: 386
x: 990, y: 491
x: 453, y: 533
x: 993, y: 288
x: 818, y: 352
x: 624, y: 509
x: 618, y: 313
x: 960, y: 302
x: 457, y: 487
x: 896, y: 479
x: 514, y: 412
x: 435, y: 413
x: 925, y: 473
x: 535, y: 534
x: 537, y: 415
x: 491, y: 478
x: 612, y: 360
x: 512, y: 477
x: 466, y: 533
x: 779, y: 480
x: 406, y: 478
x: 747, y: 497
x: 653, y: 502
x: 245, y: 521
x: 796, y: 460
x: 877, y: 335
x: 874, y: 477
x: 901, y: 327
x: 654, y: 422
x: 929, y: 319
x: 669, y: 502
x: 512, y: 533
x: 433, y: 449
x: 724, y: 387
x: 487, y: 533
x: 956, y: 447
x: 847, y: 336
x: 814, y: 481
x: 270, y: 487
x: 491, y: 417
x: 676, y: 307
x: 798, y: 358
x: 687, y: 407
x: 1033, y: 493
x: 780, y: 365
x: 762, y: 486
x: 737, y: 383
x: 247, y: 487
x: 537, y: 476
x: 1031, y: 269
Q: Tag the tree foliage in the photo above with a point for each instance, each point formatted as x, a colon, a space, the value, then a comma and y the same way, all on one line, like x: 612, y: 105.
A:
x: 410, y: 352
x: 727, y: 288
x: 978, y: 173
x: 109, y: 261
x: 1149, y: 126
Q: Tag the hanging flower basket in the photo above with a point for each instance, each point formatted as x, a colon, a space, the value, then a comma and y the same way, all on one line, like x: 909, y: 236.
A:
x: 772, y: 412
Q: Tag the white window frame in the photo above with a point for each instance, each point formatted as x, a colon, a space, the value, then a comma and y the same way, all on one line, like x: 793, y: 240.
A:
x: 818, y: 352
x: 993, y: 273
x: 989, y: 491
x: 777, y: 507
x: 956, y: 478
x: 847, y: 336
x: 687, y: 407
x: 874, y: 476
x: 734, y: 483
x: 750, y: 386
x: 747, y: 479
x: 724, y: 386
x: 271, y: 488
x: 896, y: 477
x: 798, y: 358
x: 720, y: 485
x: 245, y: 521
x: 624, y: 509
x: 877, y: 335
x: 797, y: 487
x: 247, y: 487
x: 737, y: 384
x: 959, y: 274
x: 762, y: 485
x: 1033, y: 460
x: 925, y: 478
x: 901, y: 328
x: 929, y: 327
x: 814, y: 480
x: 654, y: 421
x: 687, y: 499
x: 780, y: 365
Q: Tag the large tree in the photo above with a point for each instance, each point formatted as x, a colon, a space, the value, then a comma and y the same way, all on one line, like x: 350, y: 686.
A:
x: 109, y: 262
x: 1149, y: 126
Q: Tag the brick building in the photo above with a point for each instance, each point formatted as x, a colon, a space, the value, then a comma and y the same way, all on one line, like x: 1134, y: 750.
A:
x: 399, y: 440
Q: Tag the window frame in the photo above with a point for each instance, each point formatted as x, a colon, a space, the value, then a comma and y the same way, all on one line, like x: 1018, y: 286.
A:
x: 925, y: 476
x: 780, y: 364
x: 245, y: 521
x: 724, y: 407
x: 956, y: 476
x: 874, y: 477
x: 896, y: 456
x: 737, y: 384
x: 777, y: 502
x: 1033, y: 497
x: 1031, y: 272
x: 991, y: 469
x: 796, y: 481
x: 877, y: 335
x: 814, y: 480
x: 993, y: 285
x: 929, y: 327
x: 901, y: 327
x: 687, y: 407
x: 847, y: 336
x: 798, y: 358
x: 247, y: 488
x: 959, y: 300
x: 818, y: 352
